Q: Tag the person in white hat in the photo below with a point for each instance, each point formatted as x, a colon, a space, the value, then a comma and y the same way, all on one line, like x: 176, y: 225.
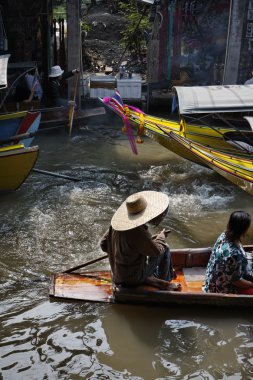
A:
x: 135, y: 256
x: 56, y: 75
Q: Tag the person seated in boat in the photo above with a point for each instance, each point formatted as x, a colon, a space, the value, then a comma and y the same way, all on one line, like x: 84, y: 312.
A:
x: 56, y: 77
x: 28, y: 88
x: 227, y: 267
x: 34, y: 87
x: 136, y: 257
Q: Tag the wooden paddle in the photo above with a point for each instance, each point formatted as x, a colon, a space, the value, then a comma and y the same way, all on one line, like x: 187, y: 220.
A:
x: 86, y: 264
x: 72, y: 105
x: 56, y: 175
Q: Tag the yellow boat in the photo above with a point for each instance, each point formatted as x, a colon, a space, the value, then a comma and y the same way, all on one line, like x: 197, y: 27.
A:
x: 226, y: 150
x: 16, y: 163
x: 236, y: 169
x: 217, y: 137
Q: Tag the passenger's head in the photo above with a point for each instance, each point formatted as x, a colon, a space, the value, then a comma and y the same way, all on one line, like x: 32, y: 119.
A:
x: 238, y: 224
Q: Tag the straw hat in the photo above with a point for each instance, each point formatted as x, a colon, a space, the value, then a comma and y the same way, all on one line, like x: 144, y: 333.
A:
x: 139, y: 209
x: 56, y: 71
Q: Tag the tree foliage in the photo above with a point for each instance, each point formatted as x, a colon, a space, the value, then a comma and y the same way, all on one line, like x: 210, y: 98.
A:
x: 133, y: 37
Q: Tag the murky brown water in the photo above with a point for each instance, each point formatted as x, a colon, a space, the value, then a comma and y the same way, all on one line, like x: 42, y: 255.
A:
x: 50, y: 224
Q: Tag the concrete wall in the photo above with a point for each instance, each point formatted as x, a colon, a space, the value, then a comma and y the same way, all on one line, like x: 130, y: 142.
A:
x: 234, y: 41
x: 73, y: 40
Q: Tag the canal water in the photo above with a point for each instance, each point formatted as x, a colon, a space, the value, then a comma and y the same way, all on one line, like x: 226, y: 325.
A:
x: 51, y: 224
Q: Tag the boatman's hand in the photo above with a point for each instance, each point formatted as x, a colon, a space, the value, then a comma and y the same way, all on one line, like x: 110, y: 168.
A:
x: 165, y: 232
x: 76, y: 71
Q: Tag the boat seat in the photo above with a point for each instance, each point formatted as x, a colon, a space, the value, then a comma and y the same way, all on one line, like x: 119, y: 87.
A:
x: 26, y: 106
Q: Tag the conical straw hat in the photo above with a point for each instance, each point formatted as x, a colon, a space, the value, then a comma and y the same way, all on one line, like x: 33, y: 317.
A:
x: 138, y: 209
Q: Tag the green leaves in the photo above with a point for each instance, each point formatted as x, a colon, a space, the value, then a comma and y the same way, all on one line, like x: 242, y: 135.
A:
x: 137, y: 23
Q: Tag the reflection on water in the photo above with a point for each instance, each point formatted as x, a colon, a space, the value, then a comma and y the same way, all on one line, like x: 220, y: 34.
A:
x: 50, y: 224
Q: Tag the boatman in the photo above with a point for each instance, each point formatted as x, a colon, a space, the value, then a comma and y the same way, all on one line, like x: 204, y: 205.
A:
x: 135, y: 256
x: 55, y: 78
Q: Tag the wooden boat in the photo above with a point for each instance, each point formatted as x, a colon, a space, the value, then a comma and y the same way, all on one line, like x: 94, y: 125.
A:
x: 19, y: 123
x: 213, y: 136
x: 58, y: 116
x: 16, y: 163
x: 190, y: 265
x: 236, y: 169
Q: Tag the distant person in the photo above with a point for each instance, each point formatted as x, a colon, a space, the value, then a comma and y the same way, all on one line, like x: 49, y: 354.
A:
x: 34, y: 86
x: 227, y: 268
x: 55, y: 78
x: 249, y: 81
x: 135, y: 256
x: 28, y: 88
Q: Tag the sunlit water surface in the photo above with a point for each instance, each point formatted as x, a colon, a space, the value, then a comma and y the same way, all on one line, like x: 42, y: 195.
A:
x: 51, y: 224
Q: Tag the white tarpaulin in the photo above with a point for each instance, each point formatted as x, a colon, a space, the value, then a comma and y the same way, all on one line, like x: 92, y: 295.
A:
x: 3, y: 70
x: 249, y: 120
x: 214, y: 99
x: 147, y: 1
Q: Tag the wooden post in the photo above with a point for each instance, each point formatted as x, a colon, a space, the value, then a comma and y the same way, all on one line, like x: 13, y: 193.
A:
x: 73, y: 41
x: 234, y: 41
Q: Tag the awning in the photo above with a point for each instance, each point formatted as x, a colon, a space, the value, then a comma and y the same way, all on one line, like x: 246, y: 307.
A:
x: 249, y: 120
x: 214, y: 99
x: 3, y: 70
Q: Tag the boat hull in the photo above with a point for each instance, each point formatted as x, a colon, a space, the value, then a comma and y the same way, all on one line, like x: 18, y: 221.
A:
x: 16, y: 163
x: 159, y: 129
x: 238, y: 170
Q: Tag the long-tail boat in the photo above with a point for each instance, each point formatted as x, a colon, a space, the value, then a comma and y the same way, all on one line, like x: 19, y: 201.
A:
x: 203, y: 101
x: 58, y: 116
x: 226, y: 150
x: 190, y: 266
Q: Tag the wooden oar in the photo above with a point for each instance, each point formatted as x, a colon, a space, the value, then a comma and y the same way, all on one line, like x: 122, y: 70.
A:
x: 85, y: 264
x: 56, y: 175
x: 72, y: 106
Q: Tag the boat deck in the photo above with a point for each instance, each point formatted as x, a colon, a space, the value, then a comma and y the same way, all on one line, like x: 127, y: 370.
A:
x: 88, y: 286
x: 97, y: 286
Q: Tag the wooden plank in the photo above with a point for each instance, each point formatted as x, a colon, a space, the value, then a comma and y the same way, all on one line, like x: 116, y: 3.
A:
x: 95, y: 287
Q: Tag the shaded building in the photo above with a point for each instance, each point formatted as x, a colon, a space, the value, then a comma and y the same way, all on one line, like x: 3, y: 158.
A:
x: 29, y: 34
x: 200, y: 42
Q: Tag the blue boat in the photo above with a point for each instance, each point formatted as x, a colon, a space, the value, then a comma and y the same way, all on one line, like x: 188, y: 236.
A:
x: 20, y: 124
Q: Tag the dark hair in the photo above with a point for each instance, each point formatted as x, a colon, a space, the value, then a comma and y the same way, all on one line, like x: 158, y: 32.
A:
x: 238, y: 224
